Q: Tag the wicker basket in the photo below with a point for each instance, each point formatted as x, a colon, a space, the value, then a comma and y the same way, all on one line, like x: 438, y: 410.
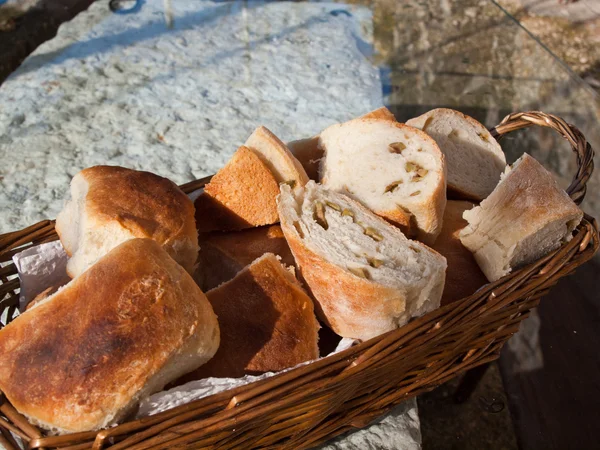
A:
x: 311, y: 404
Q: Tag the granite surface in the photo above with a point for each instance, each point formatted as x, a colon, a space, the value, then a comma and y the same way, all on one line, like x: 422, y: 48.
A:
x: 128, y: 90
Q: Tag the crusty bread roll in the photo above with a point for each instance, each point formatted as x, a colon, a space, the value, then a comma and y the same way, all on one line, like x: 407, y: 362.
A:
x: 110, y: 205
x: 278, y: 158
x: 527, y: 216
x: 83, y: 358
x: 463, y: 276
x: 223, y: 255
x: 267, y: 323
x: 474, y: 158
x: 395, y: 170
x: 365, y: 275
x: 240, y: 195
x: 308, y: 152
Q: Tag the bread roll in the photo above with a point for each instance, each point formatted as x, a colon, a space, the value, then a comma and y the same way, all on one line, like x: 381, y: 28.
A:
x: 366, y: 276
x: 395, y: 170
x: 110, y: 205
x: 474, y: 158
x: 527, y: 216
x: 83, y: 358
x: 240, y: 195
x: 309, y: 154
x: 463, y: 276
x: 267, y: 323
x: 223, y: 255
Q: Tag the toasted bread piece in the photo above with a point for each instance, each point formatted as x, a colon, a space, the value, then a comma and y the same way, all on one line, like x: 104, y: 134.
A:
x: 277, y: 157
x: 267, y: 323
x: 463, y: 276
x: 365, y: 275
x: 309, y: 154
x: 241, y: 195
x: 110, y: 205
x: 395, y: 170
x: 223, y: 255
x: 475, y: 160
x: 527, y: 216
x: 82, y: 358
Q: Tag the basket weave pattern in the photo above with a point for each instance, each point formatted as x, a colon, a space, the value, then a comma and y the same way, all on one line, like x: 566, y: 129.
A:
x: 311, y: 404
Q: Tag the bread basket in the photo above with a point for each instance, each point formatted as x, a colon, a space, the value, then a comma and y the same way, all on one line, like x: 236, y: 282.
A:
x: 308, y: 405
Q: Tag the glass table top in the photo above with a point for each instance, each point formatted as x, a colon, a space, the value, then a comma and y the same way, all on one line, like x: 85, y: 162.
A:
x: 174, y: 87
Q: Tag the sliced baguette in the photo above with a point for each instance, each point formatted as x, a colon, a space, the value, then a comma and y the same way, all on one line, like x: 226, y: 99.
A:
x: 110, y: 205
x: 240, y: 195
x: 527, y: 216
x: 277, y: 157
x: 309, y: 154
x: 395, y: 170
x: 223, y: 255
x: 267, y: 323
x: 475, y: 159
x: 365, y: 275
x: 463, y: 276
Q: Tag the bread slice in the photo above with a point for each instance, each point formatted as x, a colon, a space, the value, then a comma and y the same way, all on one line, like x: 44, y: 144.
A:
x: 82, y: 358
x: 223, y: 255
x: 527, y: 216
x: 463, y: 276
x: 365, y: 275
x: 267, y: 323
x: 277, y: 157
x: 395, y: 170
x: 474, y: 158
x: 110, y: 205
x: 308, y: 152
x: 240, y: 195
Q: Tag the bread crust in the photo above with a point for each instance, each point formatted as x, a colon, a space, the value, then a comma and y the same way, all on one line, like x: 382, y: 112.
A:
x: 81, y: 359
x: 463, y: 276
x: 223, y: 255
x: 267, y: 323
x: 262, y: 136
x: 241, y: 195
x: 144, y: 204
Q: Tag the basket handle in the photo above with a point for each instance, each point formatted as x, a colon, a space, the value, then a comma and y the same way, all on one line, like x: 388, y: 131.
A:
x: 582, y: 148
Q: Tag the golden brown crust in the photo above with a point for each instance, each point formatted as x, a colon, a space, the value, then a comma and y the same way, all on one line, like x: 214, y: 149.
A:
x: 241, y: 195
x: 284, y: 155
x: 463, y: 276
x: 223, y: 255
x: 267, y: 323
x: 87, y: 351
x: 147, y: 205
